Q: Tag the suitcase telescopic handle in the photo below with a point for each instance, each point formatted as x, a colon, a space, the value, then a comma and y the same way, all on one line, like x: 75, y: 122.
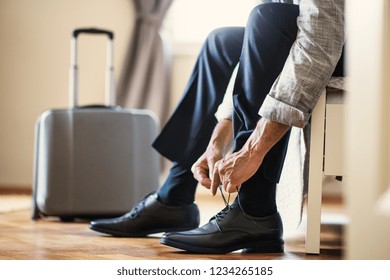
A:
x: 110, y: 85
x: 76, y: 32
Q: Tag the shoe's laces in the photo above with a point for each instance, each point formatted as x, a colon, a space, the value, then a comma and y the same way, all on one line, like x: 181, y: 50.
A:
x: 219, y: 216
x: 138, y: 208
x: 226, y: 201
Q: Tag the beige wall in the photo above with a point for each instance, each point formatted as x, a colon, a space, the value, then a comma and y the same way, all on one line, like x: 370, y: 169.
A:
x: 34, y: 68
x: 183, y: 63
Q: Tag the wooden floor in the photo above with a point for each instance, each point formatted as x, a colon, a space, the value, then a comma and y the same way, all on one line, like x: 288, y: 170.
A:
x: 49, y: 239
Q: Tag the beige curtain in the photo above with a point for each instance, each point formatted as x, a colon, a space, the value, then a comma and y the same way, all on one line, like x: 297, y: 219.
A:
x: 146, y: 75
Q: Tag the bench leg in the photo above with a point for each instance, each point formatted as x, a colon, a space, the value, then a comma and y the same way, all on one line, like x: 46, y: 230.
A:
x: 314, y: 198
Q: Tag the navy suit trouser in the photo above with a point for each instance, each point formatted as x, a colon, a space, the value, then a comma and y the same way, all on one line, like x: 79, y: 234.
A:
x: 261, y: 48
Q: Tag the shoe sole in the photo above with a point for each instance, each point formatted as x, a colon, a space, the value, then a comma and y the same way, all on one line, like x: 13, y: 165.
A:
x: 140, y: 233
x: 264, y: 246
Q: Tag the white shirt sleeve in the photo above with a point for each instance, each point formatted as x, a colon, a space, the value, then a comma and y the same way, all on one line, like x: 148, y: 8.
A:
x: 225, y: 109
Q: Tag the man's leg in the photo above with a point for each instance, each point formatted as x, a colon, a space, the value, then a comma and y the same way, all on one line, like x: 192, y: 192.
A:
x: 258, y: 195
x: 247, y: 224
x: 269, y: 36
x: 183, y: 139
x: 187, y: 133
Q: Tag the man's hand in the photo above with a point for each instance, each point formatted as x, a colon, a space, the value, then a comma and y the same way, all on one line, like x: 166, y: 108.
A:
x: 204, y: 166
x: 219, y: 145
x: 237, y: 168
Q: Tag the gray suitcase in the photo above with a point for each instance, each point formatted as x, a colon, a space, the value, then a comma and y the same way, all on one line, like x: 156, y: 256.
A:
x: 93, y: 161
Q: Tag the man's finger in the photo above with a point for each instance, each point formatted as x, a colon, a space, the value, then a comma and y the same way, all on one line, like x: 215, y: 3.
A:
x: 231, y: 188
x: 201, y: 175
x: 215, y: 179
x: 194, y: 166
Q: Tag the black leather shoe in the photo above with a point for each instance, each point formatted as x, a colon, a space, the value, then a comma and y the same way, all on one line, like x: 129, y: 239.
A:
x: 150, y: 216
x: 231, y: 230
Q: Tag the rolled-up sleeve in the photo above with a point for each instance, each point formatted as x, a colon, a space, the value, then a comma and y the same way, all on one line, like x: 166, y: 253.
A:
x: 310, y: 64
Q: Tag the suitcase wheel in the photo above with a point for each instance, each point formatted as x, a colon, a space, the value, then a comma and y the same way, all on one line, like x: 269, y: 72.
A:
x: 67, y: 219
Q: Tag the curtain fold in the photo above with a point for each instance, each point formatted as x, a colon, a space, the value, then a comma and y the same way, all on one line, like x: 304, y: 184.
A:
x: 278, y: 1
x: 145, y: 80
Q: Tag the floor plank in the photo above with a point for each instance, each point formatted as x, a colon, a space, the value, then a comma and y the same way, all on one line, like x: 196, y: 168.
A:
x: 49, y: 239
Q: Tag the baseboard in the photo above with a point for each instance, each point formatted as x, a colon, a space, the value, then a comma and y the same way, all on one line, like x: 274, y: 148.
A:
x: 17, y: 189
